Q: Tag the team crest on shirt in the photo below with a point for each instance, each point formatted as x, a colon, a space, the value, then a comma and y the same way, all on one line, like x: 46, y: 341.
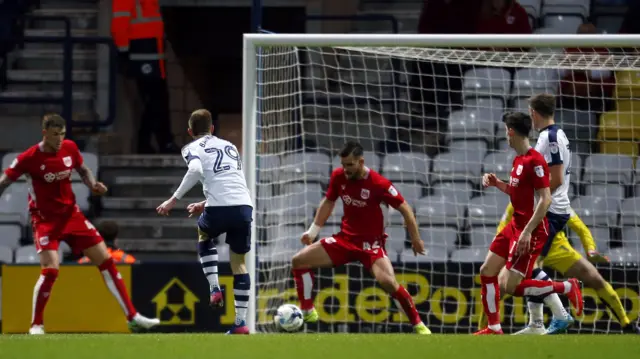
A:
x: 539, y: 171
x: 553, y: 147
x: 44, y: 240
x: 519, y: 170
x: 67, y: 161
x: 342, y: 187
x: 364, y: 193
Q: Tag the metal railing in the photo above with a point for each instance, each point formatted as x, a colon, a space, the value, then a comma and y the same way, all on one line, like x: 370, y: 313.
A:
x: 66, y: 100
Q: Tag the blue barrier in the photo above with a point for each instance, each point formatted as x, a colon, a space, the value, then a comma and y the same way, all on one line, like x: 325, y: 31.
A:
x: 68, y: 41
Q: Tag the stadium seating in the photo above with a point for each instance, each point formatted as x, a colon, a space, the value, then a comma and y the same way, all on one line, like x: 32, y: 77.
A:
x: 436, y: 255
x: 630, y: 212
x: 608, y: 168
x: 310, y: 166
x: 605, y: 190
x: 6, y: 254
x: 396, y: 242
x: 580, y: 8
x: 533, y: 8
x: 439, y: 211
x: 469, y: 255
x: 627, y: 85
x: 487, y: 209
x: 439, y: 238
x: 528, y: 82
x: 597, y: 211
x: 619, y: 133
x: 483, y: 236
x: 410, y: 191
x: 487, y: 82
x: 26, y: 255
x: 409, y: 167
x: 268, y: 167
x: 473, y: 124
x: 10, y: 234
x: 631, y: 237
x: 602, y: 237
x: 624, y: 255
x: 499, y: 163
x: 563, y: 24
x: 459, y: 193
x: 458, y: 166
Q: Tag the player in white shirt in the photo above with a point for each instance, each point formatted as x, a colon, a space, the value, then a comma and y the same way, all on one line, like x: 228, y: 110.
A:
x: 554, y: 147
x: 228, y: 208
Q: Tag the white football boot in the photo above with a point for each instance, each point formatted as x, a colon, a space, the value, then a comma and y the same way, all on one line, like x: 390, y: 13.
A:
x: 36, y: 330
x: 535, y: 328
x: 140, y: 322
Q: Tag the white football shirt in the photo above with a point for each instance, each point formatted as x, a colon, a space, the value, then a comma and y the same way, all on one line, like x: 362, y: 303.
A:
x: 222, y: 179
x: 554, y: 146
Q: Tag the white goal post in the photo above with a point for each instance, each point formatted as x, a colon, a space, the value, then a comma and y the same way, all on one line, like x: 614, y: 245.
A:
x: 433, y: 132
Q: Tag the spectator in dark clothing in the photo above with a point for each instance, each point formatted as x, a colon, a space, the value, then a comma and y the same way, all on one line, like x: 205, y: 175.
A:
x: 503, y: 17
x: 630, y: 24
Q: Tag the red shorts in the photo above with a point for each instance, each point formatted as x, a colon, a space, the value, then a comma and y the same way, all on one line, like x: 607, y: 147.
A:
x: 504, y: 245
x: 343, y: 248
x: 75, y: 229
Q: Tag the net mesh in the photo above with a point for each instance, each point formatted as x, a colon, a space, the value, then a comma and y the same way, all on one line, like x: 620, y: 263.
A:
x: 430, y: 121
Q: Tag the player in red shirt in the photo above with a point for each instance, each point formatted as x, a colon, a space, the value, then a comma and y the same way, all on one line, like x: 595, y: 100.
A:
x: 55, y: 217
x: 519, y: 244
x: 361, y: 237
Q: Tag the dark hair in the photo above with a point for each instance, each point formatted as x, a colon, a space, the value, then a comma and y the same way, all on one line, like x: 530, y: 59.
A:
x: 53, y: 120
x: 352, y: 148
x: 109, y: 231
x: 544, y: 104
x: 200, y: 122
x: 518, y: 121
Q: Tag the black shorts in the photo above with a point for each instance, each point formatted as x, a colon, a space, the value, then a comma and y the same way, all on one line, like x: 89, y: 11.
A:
x: 235, y: 221
x: 556, y: 224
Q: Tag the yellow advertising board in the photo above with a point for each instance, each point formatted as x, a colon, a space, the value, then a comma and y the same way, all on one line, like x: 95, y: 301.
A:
x: 80, y: 301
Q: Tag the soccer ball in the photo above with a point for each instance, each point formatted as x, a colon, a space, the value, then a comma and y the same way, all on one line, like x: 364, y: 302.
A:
x: 288, y: 318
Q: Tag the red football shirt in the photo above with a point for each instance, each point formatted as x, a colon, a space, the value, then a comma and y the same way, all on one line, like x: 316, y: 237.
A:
x: 361, y: 200
x: 513, y: 20
x: 49, y: 174
x: 529, y: 173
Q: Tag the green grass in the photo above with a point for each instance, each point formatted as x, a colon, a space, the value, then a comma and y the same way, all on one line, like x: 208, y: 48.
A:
x: 311, y: 346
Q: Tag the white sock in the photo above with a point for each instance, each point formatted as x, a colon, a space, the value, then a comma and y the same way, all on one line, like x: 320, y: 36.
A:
x: 535, y: 312
x: 553, y: 301
x: 495, y: 327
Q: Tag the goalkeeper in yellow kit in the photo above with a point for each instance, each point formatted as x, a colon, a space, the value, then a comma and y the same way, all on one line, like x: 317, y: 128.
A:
x: 563, y: 258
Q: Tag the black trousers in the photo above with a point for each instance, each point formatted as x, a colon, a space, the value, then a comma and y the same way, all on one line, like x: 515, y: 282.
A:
x: 155, y: 115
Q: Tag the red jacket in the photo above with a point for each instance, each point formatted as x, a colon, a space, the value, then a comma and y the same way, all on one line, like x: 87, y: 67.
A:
x: 513, y: 20
x: 448, y: 17
x: 579, y: 82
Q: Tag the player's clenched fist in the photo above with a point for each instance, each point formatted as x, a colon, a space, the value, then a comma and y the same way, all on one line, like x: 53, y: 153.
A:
x: 489, y: 180
x: 306, y: 239
x: 99, y: 188
x: 195, y: 208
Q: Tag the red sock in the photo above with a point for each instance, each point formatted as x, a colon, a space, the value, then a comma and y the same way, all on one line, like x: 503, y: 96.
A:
x: 41, y: 294
x: 304, y: 287
x: 113, y: 280
x: 491, y: 299
x: 403, y: 300
x: 536, y: 287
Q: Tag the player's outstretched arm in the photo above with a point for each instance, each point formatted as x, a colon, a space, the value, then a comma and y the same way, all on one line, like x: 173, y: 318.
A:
x: 544, y: 202
x: 322, y: 214
x: 193, y: 175
x: 90, y: 180
x: 490, y: 180
x: 412, y: 227
x: 5, y: 182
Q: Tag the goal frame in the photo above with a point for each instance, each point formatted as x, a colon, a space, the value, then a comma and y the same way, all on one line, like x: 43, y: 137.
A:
x: 252, y: 42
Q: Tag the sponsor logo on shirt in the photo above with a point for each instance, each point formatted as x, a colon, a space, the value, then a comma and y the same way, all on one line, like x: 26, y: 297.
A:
x: 346, y: 199
x: 50, y: 177
x: 519, y: 170
x: 539, y: 171
x: 14, y: 163
x: 392, y: 190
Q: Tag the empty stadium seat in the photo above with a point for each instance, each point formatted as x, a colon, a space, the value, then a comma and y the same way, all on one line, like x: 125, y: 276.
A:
x: 577, y: 125
x: 597, y: 211
x: 630, y: 212
x: 499, y: 163
x: 563, y: 24
x: 528, y: 82
x: 406, y: 166
x: 371, y: 160
x: 82, y: 194
x: 276, y: 233
x: 310, y: 166
x: 608, y: 168
x: 628, y: 105
x: 624, y: 255
x: 291, y: 208
x: 6, y: 254
x: 439, y: 211
x: 482, y: 236
x: 519, y: 105
x: 619, y: 133
x: 483, y: 103
x: 410, y: 191
x: 605, y: 190
x: 264, y: 197
x: 457, y: 166
x: 312, y: 191
x: 580, y: 8
x: 396, y: 239
x: 10, y: 234
x: 631, y: 236
x: 439, y: 237
x: 268, y: 167
x: 459, y: 193
x: 487, y: 209
x: 469, y: 145
x: 627, y: 85
x: 27, y: 254
x: 435, y: 255
x: 473, y: 124
x: 487, y: 82
x: 15, y: 200
x: 608, y: 24
x: 469, y: 255
x: 533, y: 7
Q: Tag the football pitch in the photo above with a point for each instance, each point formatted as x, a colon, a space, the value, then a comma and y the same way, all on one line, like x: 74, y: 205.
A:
x: 310, y: 346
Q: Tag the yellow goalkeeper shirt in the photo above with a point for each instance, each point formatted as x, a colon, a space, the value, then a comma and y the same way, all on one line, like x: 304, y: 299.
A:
x: 575, y: 223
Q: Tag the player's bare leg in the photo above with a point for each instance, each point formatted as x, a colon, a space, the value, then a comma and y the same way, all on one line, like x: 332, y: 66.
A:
x: 589, y: 275
x: 302, y: 265
x: 49, y: 264
x: 241, y: 288
x: 100, y: 257
x: 382, y: 271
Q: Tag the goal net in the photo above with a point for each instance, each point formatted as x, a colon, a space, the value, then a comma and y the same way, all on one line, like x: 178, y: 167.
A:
x: 430, y: 121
